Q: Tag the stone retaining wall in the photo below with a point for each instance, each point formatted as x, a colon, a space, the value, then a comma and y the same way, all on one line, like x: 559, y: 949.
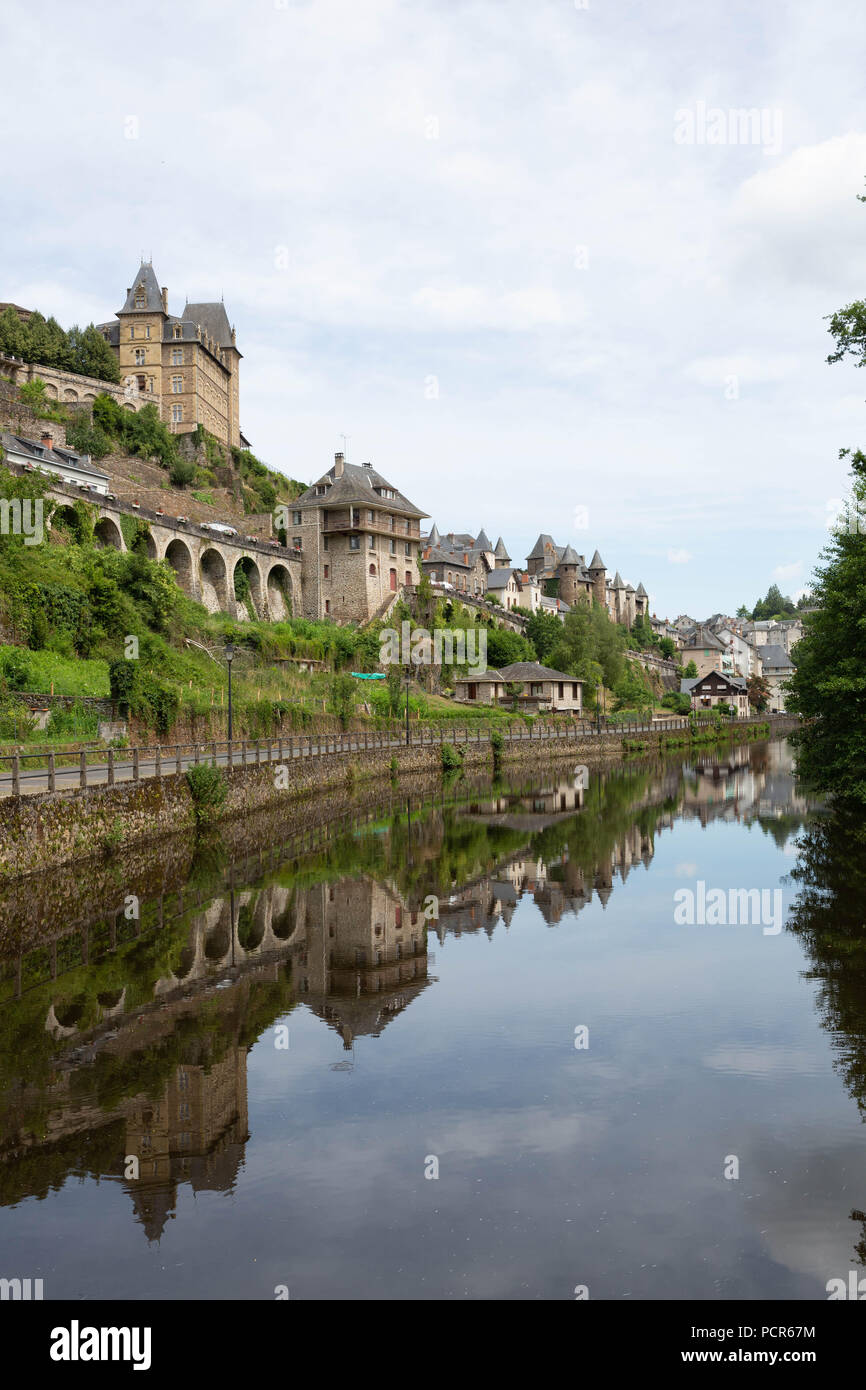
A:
x: 41, y: 831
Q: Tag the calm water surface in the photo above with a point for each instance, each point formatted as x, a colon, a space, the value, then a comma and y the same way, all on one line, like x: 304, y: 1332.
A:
x: 286, y: 1050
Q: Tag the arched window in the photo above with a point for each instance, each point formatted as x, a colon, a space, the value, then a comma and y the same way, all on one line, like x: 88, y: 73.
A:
x: 373, y: 570
x: 178, y: 331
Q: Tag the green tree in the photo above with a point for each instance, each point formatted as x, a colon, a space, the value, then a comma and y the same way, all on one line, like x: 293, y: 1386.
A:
x: 342, y: 696
x: 90, y: 354
x: 543, y: 630
x: 828, y: 687
x: 14, y: 337
x: 691, y: 671
x: 759, y: 693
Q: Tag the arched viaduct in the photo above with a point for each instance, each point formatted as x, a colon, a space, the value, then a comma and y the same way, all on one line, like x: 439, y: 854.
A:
x: 228, y: 574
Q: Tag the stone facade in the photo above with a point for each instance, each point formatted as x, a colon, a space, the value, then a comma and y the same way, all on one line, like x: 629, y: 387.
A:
x: 360, y: 541
x: 187, y: 364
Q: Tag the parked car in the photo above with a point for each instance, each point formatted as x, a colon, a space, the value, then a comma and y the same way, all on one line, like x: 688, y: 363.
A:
x: 219, y: 528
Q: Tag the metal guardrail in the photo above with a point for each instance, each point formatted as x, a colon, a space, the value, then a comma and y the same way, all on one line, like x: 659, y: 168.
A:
x: 74, y: 769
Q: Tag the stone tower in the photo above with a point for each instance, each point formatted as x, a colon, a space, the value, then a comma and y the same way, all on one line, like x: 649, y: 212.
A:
x: 597, y: 574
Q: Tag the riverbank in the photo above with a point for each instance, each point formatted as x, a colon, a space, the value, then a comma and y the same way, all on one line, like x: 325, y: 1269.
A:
x: 49, y: 829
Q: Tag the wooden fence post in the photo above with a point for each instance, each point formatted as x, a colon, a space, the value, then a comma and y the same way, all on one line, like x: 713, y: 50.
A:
x: 82, y: 769
x: 135, y: 772
x: 111, y: 767
x: 52, y: 780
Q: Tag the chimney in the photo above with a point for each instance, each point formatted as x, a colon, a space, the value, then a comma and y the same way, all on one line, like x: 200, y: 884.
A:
x: 164, y: 300
x: 338, y: 465
x: 46, y: 439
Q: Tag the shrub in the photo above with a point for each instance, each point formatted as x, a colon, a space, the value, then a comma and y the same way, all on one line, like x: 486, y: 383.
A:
x: 452, y: 757
x: 208, y: 790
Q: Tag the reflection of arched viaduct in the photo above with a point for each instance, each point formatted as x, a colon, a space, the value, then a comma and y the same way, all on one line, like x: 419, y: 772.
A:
x: 226, y: 574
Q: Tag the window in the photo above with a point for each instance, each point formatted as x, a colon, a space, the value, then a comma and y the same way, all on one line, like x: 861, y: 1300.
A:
x: 407, y: 548
x: 321, y: 489
x: 177, y: 414
x: 177, y: 357
x: 324, y: 542
x: 327, y: 572
x: 371, y: 516
x: 356, y: 516
x: 139, y: 357
x: 371, y: 542
x: 296, y: 542
x: 178, y: 331
x: 296, y: 518
x: 132, y: 330
x: 140, y: 297
x: 147, y: 330
x: 177, y: 385
x: 391, y: 522
x: 373, y: 571
x: 327, y: 605
x: 354, y: 542
x: 408, y: 577
x: 393, y: 547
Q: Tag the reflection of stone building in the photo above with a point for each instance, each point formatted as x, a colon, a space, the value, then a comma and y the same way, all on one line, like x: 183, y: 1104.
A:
x: 195, y: 1133
x: 365, y: 956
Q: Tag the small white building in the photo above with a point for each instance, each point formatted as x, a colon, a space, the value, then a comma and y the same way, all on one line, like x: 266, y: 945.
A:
x: 42, y: 456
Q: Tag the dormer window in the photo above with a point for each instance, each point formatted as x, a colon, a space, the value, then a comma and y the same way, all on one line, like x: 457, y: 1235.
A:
x: 140, y: 297
x: 178, y: 331
x: 321, y: 489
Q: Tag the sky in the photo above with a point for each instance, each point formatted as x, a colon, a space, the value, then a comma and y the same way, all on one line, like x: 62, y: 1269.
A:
x: 525, y: 258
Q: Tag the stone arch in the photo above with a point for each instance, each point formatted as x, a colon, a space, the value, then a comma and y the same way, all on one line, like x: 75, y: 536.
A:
x: 89, y: 396
x: 246, y: 580
x: 107, y: 533
x: 66, y: 519
x: 51, y: 390
x: 179, y: 556
x: 214, y: 582
x: 279, y: 593
x: 70, y: 395
x: 127, y: 405
x: 218, y: 942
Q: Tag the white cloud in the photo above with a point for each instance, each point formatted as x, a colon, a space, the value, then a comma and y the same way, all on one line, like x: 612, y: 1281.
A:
x: 679, y: 557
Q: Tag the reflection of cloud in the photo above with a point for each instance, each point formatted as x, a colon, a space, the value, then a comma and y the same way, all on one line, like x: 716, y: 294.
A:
x: 686, y: 870
x: 763, y: 1060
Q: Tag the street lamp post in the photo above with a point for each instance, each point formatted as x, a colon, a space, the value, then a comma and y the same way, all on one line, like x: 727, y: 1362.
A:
x: 408, y: 679
x: 229, y: 656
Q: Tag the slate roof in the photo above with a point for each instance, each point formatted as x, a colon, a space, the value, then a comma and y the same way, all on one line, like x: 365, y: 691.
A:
x: 702, y: 637
x: 490, y: 675
x: 213, y: 319
x: 688, y: 682
x: 776, y: 657
x: 532, y: 671
x: 617, y: 582
x: 481, y: 541
x: 538, y: 550
x: 438, y: 556
x: 500, y: 552
x: 356, y: 485
x: 434, y: 538
x: 498, y: 579
x: 641, y: 591
x: 153, y: 294
x: 570, y: 556
x: 37, y: 452
x: 596, y: 563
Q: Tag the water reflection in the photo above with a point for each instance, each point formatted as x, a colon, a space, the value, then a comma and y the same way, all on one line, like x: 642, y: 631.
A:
x: 126, y: 1032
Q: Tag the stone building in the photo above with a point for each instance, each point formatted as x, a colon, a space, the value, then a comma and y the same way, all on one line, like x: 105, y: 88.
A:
x: 187, y: 364
x: 562, y: 572
x: 360, y: 540
x: 463, y: 561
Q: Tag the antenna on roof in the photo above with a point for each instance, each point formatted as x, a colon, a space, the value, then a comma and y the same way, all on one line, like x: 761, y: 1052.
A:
x: 345, y: 438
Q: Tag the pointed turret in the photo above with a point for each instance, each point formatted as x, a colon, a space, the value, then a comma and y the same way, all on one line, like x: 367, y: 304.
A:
x: 434, y: 538
x: 617, y: 581
x: 500, y: 552
x: 144, y: 295
x: 597, y: 563
x: 569, y: 556
x: 481, y: 541
x: 641, y: 591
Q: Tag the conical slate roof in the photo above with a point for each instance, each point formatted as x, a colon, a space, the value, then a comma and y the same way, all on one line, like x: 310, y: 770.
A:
x: 629, y: 588
x: 641, y: 591
x: 537, y: 551
x: 596, y: 563
x: 481, y: 541
x: 617, y: 582
x: 145, y: 277
x: 434, y: 538
x: 569, y: 556
x: 500, y: 552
